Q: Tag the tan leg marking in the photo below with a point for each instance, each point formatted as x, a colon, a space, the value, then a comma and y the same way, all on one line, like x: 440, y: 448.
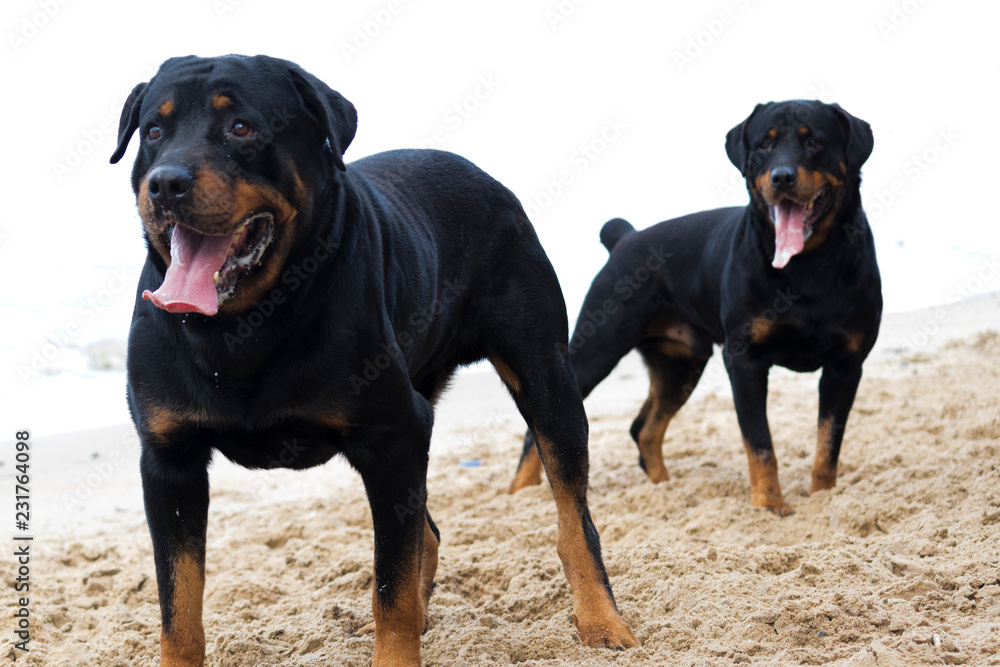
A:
x: 654, y: 428
x: 824, y: 472
x: 765, y: 490
x: 398, y: 628
x: 506, y: 374
x: 529, y: 472
x: 428, y: 568
x: 594, y: 612
x: 184, y: 645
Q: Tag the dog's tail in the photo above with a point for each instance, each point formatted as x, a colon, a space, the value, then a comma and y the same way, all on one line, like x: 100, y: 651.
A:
x: 613, y: 231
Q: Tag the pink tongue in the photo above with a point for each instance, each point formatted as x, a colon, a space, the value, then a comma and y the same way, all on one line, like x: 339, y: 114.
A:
x: 788, y: 232
x: 189, y: 286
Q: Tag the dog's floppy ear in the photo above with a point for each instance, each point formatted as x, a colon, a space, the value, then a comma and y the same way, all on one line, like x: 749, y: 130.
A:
x: 130, y: 120
x: 859, y: 137
x: 736, y: 143
x: 331, y: 110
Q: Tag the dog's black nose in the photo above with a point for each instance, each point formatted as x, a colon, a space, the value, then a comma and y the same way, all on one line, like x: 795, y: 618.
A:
x: 783, y: 177
x: 169, y: 183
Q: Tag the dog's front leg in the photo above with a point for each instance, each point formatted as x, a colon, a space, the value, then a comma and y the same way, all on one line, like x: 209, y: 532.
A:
x: 749, y: 380
x: 175, y: 490
x: 393, y: 467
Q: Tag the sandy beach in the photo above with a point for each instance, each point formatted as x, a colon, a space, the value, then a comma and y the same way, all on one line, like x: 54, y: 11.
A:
x: 899, y: 565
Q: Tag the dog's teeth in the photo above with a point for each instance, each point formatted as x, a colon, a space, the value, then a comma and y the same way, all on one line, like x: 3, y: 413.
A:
x: 215, y: 278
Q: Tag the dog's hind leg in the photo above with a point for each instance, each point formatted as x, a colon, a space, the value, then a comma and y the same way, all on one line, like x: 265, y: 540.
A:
x: 530, y: 356
x: 673, y: 374
x: 602, y: 337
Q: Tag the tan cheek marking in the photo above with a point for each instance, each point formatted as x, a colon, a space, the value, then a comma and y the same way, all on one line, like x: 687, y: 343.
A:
x: 246, y: 198
x: 153, y: 230
x: 804, y: 181
x: 300, y: 193
x: 213, y: 202
x: 220, y: 102
x: 821, y: 228
x: 763, y: 183
x: 166, y: 108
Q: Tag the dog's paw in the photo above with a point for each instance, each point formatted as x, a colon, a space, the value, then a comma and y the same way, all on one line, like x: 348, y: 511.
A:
x: 776, y: 506
x: 609, y: 631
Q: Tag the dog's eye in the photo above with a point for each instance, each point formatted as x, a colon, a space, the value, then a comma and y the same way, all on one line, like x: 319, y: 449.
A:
x: 153, y: 132
x: 813, y: 144
x: 241, y: 129
x: 768, y: 143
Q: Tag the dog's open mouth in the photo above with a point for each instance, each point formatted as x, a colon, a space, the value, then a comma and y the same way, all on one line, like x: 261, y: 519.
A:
x: 793, y: 224
x: 204, y: 270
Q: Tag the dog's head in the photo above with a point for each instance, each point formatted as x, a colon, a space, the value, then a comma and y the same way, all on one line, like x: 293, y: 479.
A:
x: 234, y: 153
x: 801, y: 159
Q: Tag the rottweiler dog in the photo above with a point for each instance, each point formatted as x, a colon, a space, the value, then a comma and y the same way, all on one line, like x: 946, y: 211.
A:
x: 788, y: 280
x: 293, y: 308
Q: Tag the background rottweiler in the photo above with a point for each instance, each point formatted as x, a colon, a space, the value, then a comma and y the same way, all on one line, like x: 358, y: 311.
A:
x: 292, y: 308
x: 789, y: 280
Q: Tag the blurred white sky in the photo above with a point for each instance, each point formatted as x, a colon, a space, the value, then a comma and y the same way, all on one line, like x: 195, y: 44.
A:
x: 653, y: 87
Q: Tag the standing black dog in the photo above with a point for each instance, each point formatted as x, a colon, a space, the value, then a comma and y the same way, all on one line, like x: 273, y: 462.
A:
x: 789, y: 280
x: 292, y: 308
